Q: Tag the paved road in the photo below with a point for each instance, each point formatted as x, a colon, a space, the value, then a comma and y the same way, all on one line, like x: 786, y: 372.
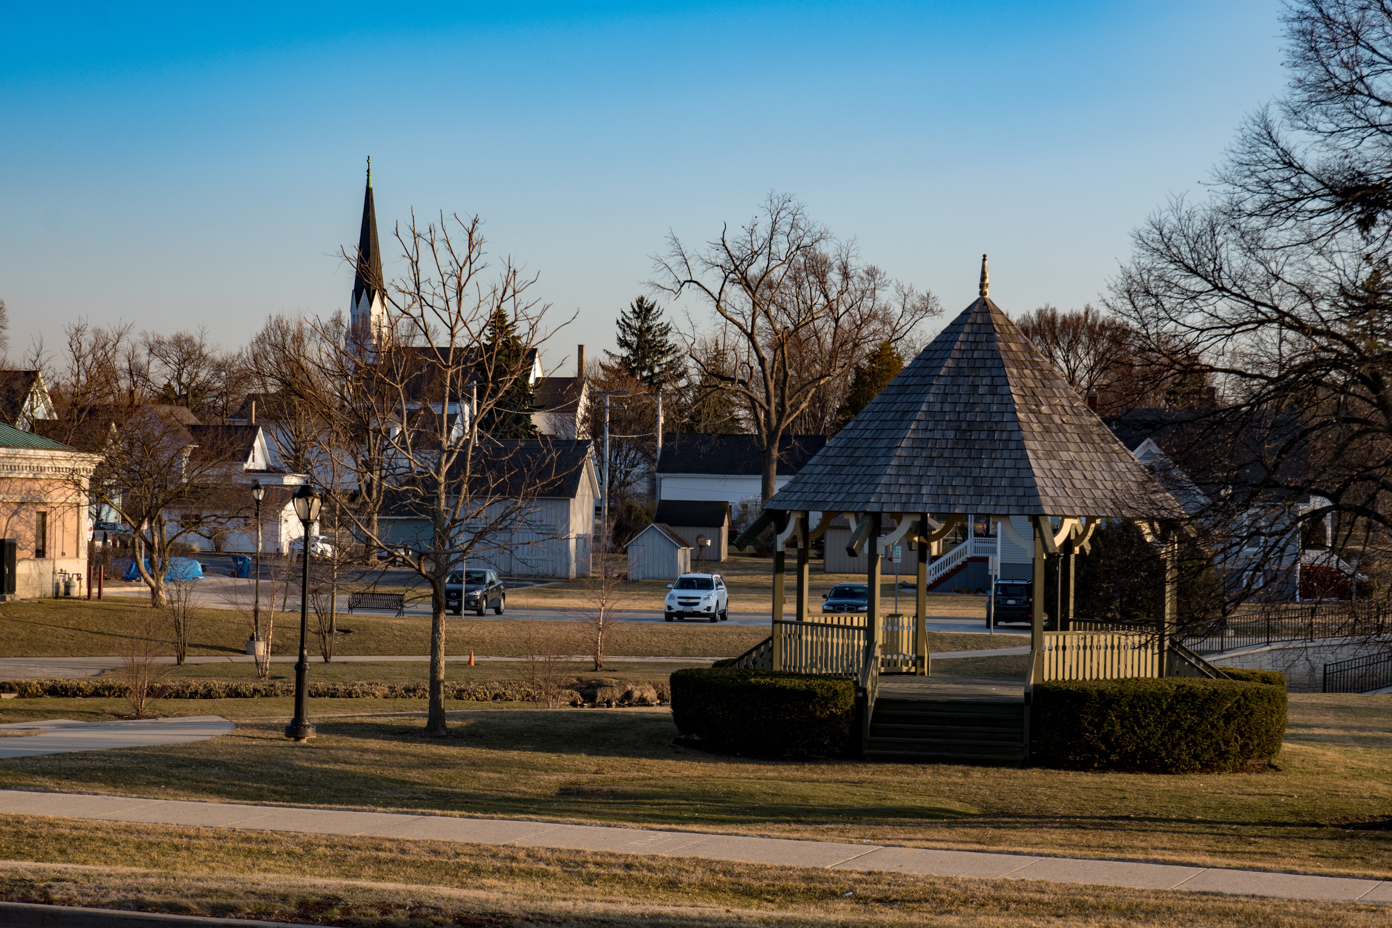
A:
x: 830, y: 855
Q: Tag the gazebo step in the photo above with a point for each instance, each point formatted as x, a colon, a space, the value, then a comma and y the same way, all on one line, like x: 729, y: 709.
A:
x: 946, y: 733
x: 946, y: 746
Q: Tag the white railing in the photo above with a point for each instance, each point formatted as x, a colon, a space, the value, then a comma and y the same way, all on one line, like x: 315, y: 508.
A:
x: 822, y: 647
x: 948, y: 562
x: 984, y: 547
x: 1100, y: 655
x: 898, y: 637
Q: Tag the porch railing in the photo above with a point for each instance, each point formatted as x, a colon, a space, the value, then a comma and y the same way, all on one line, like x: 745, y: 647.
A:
x: 898, y: 637
x: 1099, y: 656
x: 1272, y: 623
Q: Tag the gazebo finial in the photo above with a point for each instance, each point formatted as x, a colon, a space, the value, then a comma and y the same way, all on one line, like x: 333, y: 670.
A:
x: 985, y: 289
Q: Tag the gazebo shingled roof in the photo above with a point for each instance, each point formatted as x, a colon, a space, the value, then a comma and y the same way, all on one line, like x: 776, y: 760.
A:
x: 979, y: 422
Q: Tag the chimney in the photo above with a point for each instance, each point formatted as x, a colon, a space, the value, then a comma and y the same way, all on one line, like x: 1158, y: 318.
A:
x: 580, y: 361
x: 1211, y: 395
x: 253, y: 412
x: 1092, y: 400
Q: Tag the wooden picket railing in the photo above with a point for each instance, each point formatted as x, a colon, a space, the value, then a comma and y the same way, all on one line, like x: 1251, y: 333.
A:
x: 821, y: 647
x: 898, y: 637
x: 1100, y: 656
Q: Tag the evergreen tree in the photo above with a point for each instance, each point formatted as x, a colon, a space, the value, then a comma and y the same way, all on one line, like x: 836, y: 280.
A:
x: 710, y: 407
x: 646, y: 350
x: 871, y: 376
x: 506, y: 371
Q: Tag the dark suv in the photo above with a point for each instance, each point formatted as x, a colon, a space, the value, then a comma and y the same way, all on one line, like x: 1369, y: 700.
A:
x: 479, y: 590
x: 1014, y: 601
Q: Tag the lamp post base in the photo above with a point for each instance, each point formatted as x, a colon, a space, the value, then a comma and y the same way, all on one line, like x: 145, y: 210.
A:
x: 299, y: 731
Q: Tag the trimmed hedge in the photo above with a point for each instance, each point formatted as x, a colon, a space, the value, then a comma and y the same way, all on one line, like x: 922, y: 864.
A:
x: 763, y: 713
x: 1173, y: 725
x: 595, y: 692
x: 1274, y: 677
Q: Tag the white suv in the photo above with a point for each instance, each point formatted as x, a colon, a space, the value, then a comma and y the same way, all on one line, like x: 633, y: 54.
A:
x: 700, y: 596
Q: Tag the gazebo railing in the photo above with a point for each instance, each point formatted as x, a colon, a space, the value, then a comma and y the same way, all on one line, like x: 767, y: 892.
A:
x: 898, y: 637
x: 1100, y: 656
x: 823, y: 647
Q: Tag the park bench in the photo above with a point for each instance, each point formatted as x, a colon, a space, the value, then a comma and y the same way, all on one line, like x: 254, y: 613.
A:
x: 395, y: 601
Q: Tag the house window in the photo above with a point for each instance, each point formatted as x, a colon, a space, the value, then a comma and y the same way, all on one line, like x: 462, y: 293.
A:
x: 40, y: 534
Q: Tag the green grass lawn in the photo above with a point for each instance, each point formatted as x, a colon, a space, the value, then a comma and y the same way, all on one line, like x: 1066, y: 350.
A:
x: 620, y: 766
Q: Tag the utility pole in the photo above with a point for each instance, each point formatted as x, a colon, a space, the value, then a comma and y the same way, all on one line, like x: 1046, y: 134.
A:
x: 604, y: 511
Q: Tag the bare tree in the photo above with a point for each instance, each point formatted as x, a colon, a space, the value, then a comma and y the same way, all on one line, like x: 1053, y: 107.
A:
x: 602, y: 595
x: 141, y: 668
x: 794, y: 308
x: 1279, y: 285
x: 400, y: 420
x: 161, y: 483
x: 179, y: 609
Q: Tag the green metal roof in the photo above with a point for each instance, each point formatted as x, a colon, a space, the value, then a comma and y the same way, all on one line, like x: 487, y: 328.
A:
x: 11, y: 437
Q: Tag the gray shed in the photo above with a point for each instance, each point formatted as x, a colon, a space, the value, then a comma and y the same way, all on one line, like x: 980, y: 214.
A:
x: 658, y: 553
x: 697, y: 520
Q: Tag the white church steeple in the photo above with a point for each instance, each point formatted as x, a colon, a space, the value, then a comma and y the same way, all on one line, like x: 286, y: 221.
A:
x: 367, y: 317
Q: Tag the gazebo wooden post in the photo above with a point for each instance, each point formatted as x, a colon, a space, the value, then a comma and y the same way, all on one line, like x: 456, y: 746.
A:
x: 804, y: 566
x: 1169, y: 618
x: 1067, y: 575
x: 921, y: 665
x: 872, y: 579
x: 780, y: 562
x: 1041, y: 525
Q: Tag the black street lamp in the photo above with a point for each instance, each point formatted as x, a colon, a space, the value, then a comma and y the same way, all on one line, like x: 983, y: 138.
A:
x: 307, y: 502
x: 258, y: 493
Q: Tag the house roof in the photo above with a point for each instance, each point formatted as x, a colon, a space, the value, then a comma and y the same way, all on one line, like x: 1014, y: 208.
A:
x: 1231, y: 453
x: 694, y: 512
x: 979, y: 422
x: 552, y: 393
x: 540, y: 468
x: 15, y: 389
x: 732, y: 455
x: 663, y: 531
x: 11, y: 437
x: 232, y: 443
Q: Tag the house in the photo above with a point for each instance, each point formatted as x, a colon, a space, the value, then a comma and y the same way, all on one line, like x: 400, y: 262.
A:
x: 1232, y: 472
x: 43, y: 510
x: 658, y: 553
x: 561, y: 402
x: 704, y: 524
x: 534, y: 505
x: 962, y: 560
x: 698, y: 466
x: 24, y: 400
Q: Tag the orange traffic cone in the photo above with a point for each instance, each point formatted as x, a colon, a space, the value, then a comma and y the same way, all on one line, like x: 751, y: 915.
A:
x: 471, y: 658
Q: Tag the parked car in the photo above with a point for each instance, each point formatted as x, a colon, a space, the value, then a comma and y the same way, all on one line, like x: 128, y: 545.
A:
x: 478, y: 590
x: 699, y: 596
x: 1013, y: 601
x: 111, y: 532
x: 393, y: 556
x: 847, y: 597
x: 319, y: 546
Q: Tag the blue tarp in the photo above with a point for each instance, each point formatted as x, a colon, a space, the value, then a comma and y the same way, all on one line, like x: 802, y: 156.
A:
x: 180, y: 568
x: 241, y: 566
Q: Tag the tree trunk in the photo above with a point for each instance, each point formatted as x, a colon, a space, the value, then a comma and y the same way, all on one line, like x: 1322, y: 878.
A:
x: 435, y: 719
x: 770, y: 481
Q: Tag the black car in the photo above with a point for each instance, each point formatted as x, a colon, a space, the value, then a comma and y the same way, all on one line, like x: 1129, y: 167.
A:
x: 847, y: 597
x: 480, y: 590
x: 1014, y: 601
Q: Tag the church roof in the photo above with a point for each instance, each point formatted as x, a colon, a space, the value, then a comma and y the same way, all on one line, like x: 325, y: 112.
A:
x: 369, y: 271
x: 979, y: 422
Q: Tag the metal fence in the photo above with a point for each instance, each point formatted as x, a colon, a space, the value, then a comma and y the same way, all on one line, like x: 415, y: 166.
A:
x: 1359, y: 674
x: 1268, y: 623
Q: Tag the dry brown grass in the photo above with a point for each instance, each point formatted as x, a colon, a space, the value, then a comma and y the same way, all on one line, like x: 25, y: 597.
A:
x: 370, y: 881
x: 620, y: 766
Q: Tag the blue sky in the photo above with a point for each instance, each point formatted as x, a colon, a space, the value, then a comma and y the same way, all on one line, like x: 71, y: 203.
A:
x: 175, y: 166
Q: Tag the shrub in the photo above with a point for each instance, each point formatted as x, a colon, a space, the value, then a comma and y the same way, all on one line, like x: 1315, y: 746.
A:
x: 1174, y: 725
x: 1274, y: 677
x: 763, y: 713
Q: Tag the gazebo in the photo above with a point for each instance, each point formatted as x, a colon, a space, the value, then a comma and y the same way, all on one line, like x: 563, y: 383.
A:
x: 979, y: 424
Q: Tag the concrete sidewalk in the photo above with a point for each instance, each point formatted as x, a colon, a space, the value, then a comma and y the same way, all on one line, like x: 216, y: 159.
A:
x: 738, y: 848
x: 63, y: 736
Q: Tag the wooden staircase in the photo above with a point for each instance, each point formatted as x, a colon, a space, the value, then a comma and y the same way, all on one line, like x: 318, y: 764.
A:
x: 947, y: 731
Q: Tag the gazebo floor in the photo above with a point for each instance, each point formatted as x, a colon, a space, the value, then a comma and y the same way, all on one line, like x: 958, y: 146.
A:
x: 942, y: 687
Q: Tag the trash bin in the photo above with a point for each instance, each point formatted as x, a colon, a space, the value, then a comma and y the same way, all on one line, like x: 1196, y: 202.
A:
x: 241, y: 566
